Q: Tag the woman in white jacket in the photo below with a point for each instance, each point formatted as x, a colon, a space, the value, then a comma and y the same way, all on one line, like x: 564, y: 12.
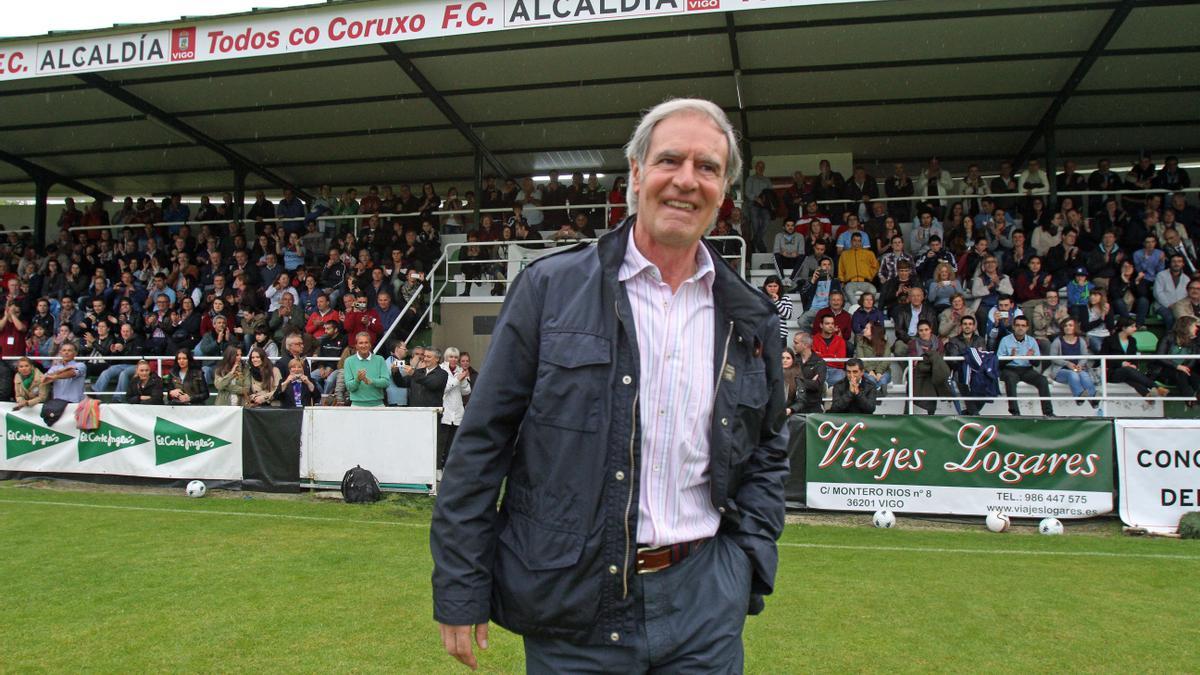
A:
x: 458, y: 385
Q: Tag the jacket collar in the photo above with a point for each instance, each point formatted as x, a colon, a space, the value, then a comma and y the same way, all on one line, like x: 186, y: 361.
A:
x: 733, y: 296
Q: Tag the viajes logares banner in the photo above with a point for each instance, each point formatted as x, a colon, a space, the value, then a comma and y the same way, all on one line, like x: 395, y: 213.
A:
x: 342, y: 24
x: 959, y: 465
x: 1159, y: 462
x: 133, y: 440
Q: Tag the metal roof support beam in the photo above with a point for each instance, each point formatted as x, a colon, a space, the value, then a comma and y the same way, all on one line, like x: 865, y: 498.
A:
x: 1115, y: 20
x: 438, y: 100
x: 735, y: 60
x: 42, y: 187
x: 166, y: 119
x: 39, y: 173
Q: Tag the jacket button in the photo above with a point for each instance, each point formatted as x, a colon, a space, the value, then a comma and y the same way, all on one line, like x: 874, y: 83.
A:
x: 627, y: 380
x: 721, y: 509
x: 620, y: 475
x: 614, y: 637
x: 612, y: 569
x: 724, y: 421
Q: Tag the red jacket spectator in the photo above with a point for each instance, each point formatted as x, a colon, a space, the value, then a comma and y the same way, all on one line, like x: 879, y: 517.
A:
x: 843, y: 319
x: 316, y: 322
x: 834, y: 348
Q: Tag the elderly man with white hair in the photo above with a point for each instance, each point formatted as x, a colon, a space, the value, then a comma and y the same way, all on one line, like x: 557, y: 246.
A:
x: 631, y: 408
x: 457, y: 387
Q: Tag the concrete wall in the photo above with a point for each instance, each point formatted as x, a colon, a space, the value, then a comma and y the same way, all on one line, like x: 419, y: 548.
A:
x: 458, y: 327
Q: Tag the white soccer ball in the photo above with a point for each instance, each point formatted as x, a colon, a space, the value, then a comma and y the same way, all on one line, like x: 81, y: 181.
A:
x: 1051, y: 527
x: 884, y: 519
x: 197, y: 488
x: 997, y: 522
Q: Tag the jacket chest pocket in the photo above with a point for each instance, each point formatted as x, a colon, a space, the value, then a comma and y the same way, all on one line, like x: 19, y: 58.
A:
x: 573, y: 373
x: 752, y: 398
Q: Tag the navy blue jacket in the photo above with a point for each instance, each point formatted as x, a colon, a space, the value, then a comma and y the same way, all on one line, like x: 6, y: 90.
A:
x: 555, y: 413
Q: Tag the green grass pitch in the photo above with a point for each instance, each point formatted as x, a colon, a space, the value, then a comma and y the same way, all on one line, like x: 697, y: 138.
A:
x: 109, y: 581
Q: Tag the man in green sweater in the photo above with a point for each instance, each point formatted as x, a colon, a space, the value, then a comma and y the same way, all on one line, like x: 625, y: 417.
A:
x: 366, y: 374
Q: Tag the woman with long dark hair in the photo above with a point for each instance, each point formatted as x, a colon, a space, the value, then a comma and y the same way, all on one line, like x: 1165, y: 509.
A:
x: 773, y: 288
x: 230, y: 379
x: 185, y: 385
x: 264, y: 377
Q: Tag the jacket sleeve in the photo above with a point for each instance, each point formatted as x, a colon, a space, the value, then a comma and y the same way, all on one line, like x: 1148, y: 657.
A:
x: 201, y: 387
x: 462, y: 534
x: 760, y: 498
x: 841, y: 398
x: 865, y: 400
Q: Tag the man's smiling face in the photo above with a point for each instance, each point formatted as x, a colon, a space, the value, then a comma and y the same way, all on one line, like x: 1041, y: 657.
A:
x: 682, y: 183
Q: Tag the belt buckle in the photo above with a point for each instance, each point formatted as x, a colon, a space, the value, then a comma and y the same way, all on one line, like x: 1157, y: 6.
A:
x: 650, y: 570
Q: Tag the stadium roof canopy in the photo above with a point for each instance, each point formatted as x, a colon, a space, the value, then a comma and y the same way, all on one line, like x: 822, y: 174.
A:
x: 886, y: 80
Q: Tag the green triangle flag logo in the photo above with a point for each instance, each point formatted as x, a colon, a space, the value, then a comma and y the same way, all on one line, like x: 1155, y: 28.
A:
x: 24, y: 437
x: 105, y: 439
x: 173, y: 442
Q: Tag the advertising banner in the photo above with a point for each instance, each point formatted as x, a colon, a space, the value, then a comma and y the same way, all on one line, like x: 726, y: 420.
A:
x: 327, y: 27
x: 133, y: 440
x: 1159, y: 465
x: 959, y: 465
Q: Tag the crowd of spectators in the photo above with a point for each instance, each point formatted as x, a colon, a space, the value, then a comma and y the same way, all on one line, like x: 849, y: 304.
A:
x: 986, y: 264
x: 283, y: 305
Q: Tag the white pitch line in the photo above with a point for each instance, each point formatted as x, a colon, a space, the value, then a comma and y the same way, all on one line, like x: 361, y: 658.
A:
x: 152, y: 509
x: 839, y: 547
x: 993, y: 551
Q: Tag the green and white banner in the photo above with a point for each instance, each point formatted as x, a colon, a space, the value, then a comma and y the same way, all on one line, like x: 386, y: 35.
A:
x: 133, y: 440
x: 1159, y: 463
x: 960, y: 465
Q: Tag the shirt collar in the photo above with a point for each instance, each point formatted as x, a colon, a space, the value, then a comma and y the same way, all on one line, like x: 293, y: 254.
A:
x: 635, y: 263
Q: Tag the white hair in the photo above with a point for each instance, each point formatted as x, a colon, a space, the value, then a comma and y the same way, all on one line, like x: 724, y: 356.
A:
x: 451, y: 352
x: 639, y: 144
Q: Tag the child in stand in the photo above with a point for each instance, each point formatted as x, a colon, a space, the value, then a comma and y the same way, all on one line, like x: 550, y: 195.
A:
x: 1078, y: 290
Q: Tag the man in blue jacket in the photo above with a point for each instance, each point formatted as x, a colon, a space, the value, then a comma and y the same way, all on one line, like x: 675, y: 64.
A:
x: 644, y: 492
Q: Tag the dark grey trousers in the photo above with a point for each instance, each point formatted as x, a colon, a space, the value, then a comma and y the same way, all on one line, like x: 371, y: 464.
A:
x: 692, y: 619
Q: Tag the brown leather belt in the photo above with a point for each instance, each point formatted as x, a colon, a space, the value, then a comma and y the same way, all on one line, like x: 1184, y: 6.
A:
x: 661, y: 557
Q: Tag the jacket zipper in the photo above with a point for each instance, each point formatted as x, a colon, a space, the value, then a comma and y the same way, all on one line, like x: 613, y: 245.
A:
x: 629, y: 500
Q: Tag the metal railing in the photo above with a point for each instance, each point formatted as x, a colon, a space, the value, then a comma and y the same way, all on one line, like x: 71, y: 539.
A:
x: 1104, y: 395
x: 448, y: 259
x: 1099, y: 363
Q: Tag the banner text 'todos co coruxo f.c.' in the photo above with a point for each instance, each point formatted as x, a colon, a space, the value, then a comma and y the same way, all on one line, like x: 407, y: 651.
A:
x: 960, y: 465
x: 310, y: 29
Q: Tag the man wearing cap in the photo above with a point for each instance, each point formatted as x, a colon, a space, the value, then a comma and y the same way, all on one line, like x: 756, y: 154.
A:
x: 636, y: 531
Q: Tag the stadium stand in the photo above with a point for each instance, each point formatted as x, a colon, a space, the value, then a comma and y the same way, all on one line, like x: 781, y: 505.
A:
x: 154, y: 278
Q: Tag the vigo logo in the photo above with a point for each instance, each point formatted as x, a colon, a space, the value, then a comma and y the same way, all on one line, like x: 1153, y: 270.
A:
x: 183, y: 44
x: 699, y: 5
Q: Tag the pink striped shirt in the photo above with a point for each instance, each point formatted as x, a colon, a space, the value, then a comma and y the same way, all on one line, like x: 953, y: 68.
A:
x: 675, y: 334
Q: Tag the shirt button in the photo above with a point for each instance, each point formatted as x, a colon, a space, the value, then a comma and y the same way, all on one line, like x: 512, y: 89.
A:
x: 620, y: 475
x: 612, y: 569
x: 662, y: 412
x: 614, y: 637
x: 626, y: 380
x: 724, y: 421
x: 657, y: 467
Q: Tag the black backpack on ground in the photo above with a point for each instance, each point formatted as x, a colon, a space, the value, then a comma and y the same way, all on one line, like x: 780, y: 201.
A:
x: 359, y: 486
